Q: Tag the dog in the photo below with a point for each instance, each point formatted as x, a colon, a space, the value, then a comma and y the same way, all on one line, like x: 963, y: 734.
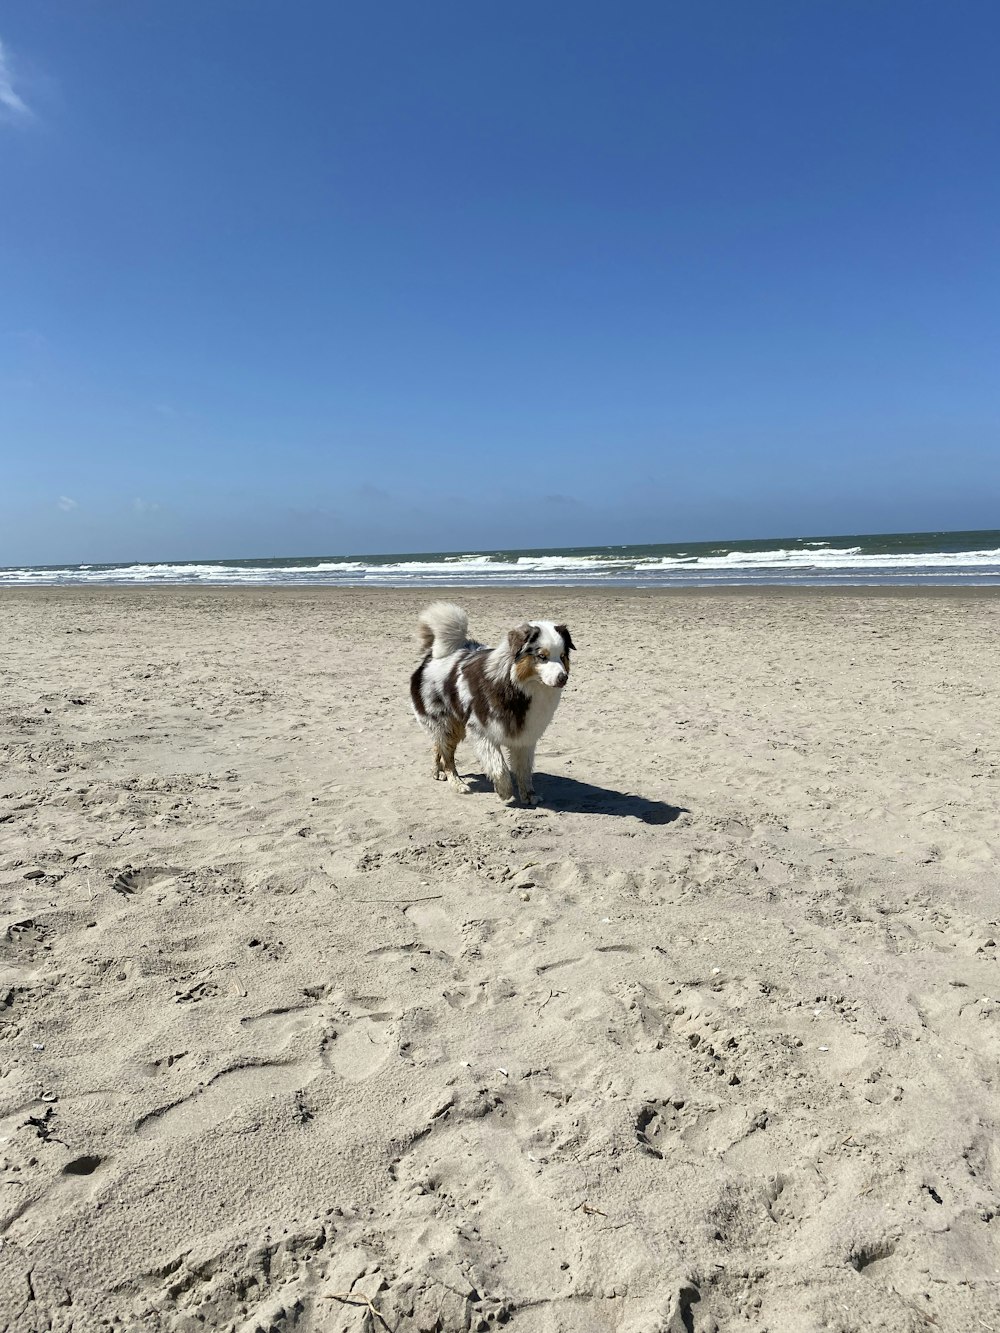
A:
x: 503, y: 697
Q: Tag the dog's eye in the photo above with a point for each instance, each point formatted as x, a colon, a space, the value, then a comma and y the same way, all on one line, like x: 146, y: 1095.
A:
x: 543, y: 655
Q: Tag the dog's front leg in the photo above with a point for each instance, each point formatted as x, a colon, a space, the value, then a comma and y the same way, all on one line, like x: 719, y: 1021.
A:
x: 522, y: 762
x: 496, y: 768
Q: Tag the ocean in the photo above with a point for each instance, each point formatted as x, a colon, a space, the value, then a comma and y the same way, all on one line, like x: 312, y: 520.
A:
x: 909, y: 558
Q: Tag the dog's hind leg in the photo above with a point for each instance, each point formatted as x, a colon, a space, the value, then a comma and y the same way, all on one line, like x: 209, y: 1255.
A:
x: 446, y: 757
x: 450, y: 772
x: 442, y: 740
x: 522, y: 762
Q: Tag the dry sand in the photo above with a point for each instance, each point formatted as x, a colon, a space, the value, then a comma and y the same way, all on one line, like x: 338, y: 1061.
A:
x: 710, y: 1041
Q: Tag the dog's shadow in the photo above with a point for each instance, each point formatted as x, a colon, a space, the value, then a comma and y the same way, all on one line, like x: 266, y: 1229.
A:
x: 562, y: 793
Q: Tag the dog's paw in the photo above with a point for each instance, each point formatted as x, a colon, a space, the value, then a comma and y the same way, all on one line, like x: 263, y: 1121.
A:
x: 462, y: 787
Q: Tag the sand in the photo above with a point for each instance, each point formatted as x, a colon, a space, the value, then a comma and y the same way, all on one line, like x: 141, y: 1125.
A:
x: 709, y: 1041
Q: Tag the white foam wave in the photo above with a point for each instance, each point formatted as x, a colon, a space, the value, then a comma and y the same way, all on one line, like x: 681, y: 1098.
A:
x: 573, y: 561
x: 847, y: 557
x: 324, y: 566
x: 819, y: 562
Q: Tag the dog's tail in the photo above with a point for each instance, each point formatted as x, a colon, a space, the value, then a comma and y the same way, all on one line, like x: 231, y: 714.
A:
x: 444, y: 628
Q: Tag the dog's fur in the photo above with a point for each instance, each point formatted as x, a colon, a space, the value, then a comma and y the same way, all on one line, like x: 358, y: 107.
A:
x: 503, y: 697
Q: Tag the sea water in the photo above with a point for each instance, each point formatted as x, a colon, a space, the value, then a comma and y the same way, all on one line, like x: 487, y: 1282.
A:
x: 957, y: 558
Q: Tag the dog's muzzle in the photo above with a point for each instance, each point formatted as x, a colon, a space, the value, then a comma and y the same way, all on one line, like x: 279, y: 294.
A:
x: 561, y: 680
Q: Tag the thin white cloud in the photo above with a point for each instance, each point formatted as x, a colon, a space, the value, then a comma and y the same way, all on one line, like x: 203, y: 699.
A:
x: 11, y: 105
x: 144, y: 506
x: 66, y: 504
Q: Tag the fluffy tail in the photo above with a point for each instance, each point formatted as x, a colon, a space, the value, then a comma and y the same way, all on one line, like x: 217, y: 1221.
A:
x: 444, y: 628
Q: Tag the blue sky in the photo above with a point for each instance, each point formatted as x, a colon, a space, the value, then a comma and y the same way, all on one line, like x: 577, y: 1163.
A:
x: 319, y: 278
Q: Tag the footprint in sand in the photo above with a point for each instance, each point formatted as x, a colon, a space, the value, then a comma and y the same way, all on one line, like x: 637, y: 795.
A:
x: 656, y: 1121
x: 132, y: 880
x: 467, y: 997
x: 230, y: 1092
x: 362, y: 1043
x: 436, y: 928
x: 278, y: 1028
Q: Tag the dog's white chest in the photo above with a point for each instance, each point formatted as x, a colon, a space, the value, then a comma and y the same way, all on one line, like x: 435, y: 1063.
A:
x: 543, y: 707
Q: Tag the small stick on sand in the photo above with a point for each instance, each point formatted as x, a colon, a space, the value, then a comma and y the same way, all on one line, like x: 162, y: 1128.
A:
x: 431, y: 897
x: 357, y: 1298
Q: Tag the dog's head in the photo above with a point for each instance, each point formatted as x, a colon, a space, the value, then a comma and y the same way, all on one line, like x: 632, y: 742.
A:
x: 540, y: 651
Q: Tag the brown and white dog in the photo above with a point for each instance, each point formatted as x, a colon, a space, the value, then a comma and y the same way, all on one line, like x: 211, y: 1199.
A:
x: 503, y: 697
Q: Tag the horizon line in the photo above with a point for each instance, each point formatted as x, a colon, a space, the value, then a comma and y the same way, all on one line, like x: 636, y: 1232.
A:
x: 508, y: 550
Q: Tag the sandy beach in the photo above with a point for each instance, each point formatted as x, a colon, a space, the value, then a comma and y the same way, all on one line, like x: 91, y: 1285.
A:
x: 708, y: 1041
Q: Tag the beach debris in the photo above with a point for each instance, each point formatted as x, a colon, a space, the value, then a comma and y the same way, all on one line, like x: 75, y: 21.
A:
x: 199, y: 991
x: 357, y: 1298
x: 36, y: 872
x: 37, y: 1046
x: 824, y: 1048
x: 430, y: 898
x: 44, y: 1126
x: 503, y: 1071
x: 588, y: 1209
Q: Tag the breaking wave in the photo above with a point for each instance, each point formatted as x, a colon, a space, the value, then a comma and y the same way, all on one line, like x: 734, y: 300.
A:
x: 813, y: 561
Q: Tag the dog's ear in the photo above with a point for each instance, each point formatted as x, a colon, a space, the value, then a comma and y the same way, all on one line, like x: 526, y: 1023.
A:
x: 566, y: 637
x: 522, y: 637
